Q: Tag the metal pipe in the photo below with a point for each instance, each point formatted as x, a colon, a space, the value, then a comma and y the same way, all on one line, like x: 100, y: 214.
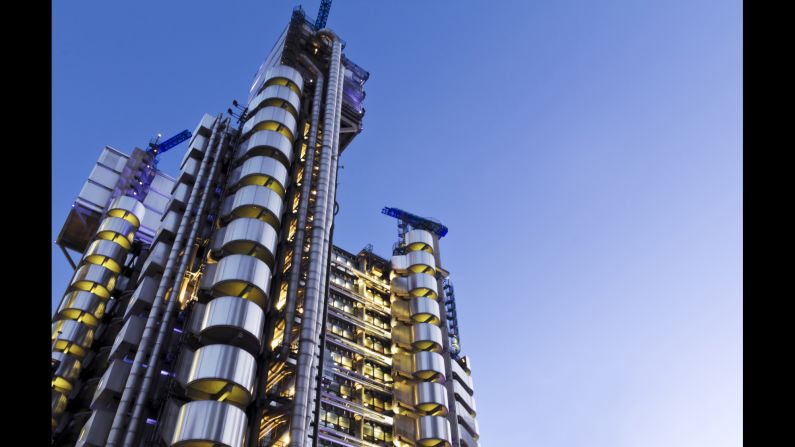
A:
x: 332, y: 196
x: 151, y: 322
x: 165, y: 326
x: 306, y: 350
x: 318, y: 388
x: 292, y: 288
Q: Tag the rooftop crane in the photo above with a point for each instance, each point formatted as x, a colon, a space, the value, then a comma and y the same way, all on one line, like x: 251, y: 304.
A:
x: 158, y: 148
x: 140, y: 190
x: 322, y: 14
x: 416, y: 221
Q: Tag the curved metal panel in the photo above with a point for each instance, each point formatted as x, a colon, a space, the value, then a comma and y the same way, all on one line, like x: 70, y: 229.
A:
x: 127, y: 208
x: 278, y: 96
x: 426, y: 337
x: 66, y: 373
x: 419, y: 240
x: 95, y: 279
x: 230, y: 319
x: 222, y: 372
x: 261, y: 171
x: 243, y: 276
x: 429, y: 366
x: 59, y: 401
x: 82, y: 306
x: 106, y: 253
x: 255, y: 202
x: 118, y: 230
x: 208, y: 422
x: 283, y: 122
x: 285, y: 72
x: 399, y: 286
x: 424, y: 310
x: 267, y: 143
x: 422, y: 284
x: 431, y: 398
x: 71, y: 337
x: 251, y: 237
x: 433, y: 431
x: 421, y: 262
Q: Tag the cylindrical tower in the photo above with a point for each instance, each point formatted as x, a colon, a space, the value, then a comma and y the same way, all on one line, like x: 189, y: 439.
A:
x: 420, y: 395
x: 88, y: 294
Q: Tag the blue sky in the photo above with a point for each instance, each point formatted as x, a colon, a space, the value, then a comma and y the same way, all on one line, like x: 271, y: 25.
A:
x: 586, y: 157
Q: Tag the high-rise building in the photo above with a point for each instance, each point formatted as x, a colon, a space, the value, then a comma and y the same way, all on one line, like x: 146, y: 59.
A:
x: 212, y: 309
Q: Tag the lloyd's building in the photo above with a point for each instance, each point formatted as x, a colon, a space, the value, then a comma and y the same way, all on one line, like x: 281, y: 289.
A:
x: 211, y: 308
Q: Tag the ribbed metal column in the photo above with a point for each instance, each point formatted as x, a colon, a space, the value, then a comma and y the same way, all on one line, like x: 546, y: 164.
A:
x: 220, y: 375
x: 153, y: 320
x: 86, y: 298
x: 309, y: 338
x: 422, y: 398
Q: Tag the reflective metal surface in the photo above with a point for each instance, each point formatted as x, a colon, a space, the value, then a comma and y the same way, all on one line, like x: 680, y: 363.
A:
x: 210, y: 423
x: 82, y: 306
x: 267, y: 143
x: 95, y: 431
x: 106, y: 253
x: 69, y: 332
x: 431, y: 430
x: 68, y: 370
x: 231, y: 319
x: 464, y: 397
x: 128, y: 337
x: 262, y: 171
x: 285, y: 72
x: 419, y: 240
x: 466, y: 419
x: 460, y: 375
x: 277, y: 96
x: 156, y: 261
x: 466, y: 439
x: 429, y: 366
x: 117, y: 230
x: 271, y: 118
x: 221, y: 372
x: 127, y: 208
x: 111, y: 385
x: 421, y: 284
x: 426, y: 337
x: 95, y: 279
x: 243, y: 276
x: 189, y: 171
x: 250, y: 237
x: 400, y: 286
x: 414, y: 261
x: 143, y: 297
x: 256, y: 202
x: 431, y: 398
x: 424, y: 310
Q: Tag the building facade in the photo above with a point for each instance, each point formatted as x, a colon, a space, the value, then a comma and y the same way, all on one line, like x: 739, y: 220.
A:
x: 212, y: 309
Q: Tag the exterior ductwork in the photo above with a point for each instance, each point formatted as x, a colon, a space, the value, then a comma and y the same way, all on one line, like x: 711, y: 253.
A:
x: 309, y: 337
x: 215, y: 309
x: 119, y: 419
x: 165, y: 327
x: 84, y: 303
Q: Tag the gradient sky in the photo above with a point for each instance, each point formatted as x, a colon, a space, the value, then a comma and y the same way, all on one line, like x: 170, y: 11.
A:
x: 585, y: 155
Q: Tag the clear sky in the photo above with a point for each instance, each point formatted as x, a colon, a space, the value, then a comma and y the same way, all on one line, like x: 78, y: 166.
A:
x: 585, y: 155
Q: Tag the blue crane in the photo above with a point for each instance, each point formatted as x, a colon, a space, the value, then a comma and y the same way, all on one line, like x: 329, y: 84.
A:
x: 322, y: 14
x: 147, y: 174
x: 158, y: 148
x: 416, y: 221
